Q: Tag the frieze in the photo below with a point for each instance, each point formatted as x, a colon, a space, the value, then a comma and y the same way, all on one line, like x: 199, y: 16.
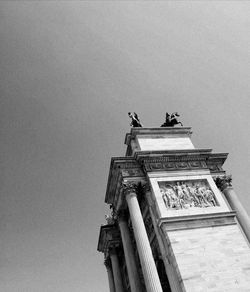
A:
x: 215, y: 166
x: 187, y: 194
x: 132, y: 172
x: 154, y: 166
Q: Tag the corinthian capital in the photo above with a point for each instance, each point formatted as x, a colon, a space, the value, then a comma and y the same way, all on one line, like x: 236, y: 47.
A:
x: 129, y: 187
x: 107, y: 263
x: 146, y: 187
x: 223, y: 182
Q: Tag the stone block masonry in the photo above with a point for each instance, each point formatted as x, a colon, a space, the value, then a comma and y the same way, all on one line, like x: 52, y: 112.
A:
x: 214, y: 259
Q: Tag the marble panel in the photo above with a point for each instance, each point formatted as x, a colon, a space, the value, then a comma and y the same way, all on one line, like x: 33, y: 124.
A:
x: 164, y: 143
x: 187, y: 195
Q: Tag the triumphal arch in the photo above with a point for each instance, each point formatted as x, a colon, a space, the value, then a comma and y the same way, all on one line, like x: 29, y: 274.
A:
x: 176, y: 223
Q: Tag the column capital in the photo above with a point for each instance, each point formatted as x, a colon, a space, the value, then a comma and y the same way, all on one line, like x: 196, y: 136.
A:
x: 223, y: 182
x: 107, y: 263
x: 129, y: 187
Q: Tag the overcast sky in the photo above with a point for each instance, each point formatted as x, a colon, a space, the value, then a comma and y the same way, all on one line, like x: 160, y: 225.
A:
x: 69, y: 73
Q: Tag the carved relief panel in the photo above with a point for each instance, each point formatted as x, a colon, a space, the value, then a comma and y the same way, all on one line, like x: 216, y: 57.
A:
x: 187, y: 195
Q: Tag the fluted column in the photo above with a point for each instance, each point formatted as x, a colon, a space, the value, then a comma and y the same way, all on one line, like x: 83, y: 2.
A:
x: 149, y: 270
x: 116, y: 271
x: 225, y: 185
x: 107, y: 264
x: 171, y: 274
x: 133, y: 275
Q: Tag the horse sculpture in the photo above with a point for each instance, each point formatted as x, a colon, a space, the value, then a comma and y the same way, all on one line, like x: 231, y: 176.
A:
x: 135, y: 120
x: 171, y: 120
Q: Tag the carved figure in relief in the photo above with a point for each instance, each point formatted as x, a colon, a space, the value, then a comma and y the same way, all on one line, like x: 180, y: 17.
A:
x: 210, y: 198
x: 171, y: 120
x: 187, y: 196
x: 135, y: 120
x: 170, y: 198
x: 183, y: 195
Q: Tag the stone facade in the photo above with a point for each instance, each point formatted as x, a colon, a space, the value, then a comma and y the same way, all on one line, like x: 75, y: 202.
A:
x: 215, y: 259
x: 176, y: 224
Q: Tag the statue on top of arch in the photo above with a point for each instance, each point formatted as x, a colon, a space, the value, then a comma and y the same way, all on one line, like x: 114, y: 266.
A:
x: 135, y: 120
x: 171, y: 120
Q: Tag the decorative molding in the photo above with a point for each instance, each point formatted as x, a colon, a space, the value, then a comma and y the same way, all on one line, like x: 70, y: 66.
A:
x: 174, y: 165
x: 223, y: 182
x: 109, y: 237
x: 197, y: 221
x: 132, y: 172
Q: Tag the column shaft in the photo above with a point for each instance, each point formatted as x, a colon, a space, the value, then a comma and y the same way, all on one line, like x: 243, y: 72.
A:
x: 110, y: 277
x: 149, y: 270
x: 241, y: 213
x: 133, y: 275
x: 116, y: 271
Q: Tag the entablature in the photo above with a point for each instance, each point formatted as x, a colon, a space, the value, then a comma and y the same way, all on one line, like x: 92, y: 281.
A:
x: 121, y: 168
x: 135, y: 168
x: 109, y: 237
x: 178, y: 160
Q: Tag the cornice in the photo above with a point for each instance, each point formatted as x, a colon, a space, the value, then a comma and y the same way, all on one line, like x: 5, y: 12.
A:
x: 181, y: 160
x: 109, y: 237
x: 121, y: 168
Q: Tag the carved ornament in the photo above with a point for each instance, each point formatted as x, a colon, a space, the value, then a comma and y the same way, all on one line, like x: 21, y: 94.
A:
x: 175, y: 165
x: 132, y: 172
x: 110, y: 219
x: 223, y: 182
x: 129, y: 187
x: 107, y: 263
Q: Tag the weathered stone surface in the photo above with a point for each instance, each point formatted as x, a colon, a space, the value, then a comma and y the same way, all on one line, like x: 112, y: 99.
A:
x: 212, y: 259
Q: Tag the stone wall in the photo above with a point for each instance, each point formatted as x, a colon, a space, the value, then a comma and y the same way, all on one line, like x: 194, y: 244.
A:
x: 213, y: 259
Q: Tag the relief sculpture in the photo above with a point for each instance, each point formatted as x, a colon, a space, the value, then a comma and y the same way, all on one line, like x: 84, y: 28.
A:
x: 187, y: 194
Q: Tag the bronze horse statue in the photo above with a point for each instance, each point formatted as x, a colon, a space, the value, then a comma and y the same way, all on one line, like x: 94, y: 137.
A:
x: 135, y: 120
x: 171, y: 120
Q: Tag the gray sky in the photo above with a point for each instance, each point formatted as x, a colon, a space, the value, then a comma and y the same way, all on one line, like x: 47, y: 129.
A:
x: 69, y: 73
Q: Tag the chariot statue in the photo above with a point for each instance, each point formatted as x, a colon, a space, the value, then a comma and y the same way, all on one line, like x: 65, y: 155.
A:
x: 171, y: 120
x: 135, y: 120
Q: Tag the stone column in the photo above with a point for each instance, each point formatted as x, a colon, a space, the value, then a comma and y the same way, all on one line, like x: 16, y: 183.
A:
x: 116, y: 271
x: 107, y: 264
x: 149, y: 270
x: 133, y: 275
x: 225, y: 185
x: 173, y: 280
